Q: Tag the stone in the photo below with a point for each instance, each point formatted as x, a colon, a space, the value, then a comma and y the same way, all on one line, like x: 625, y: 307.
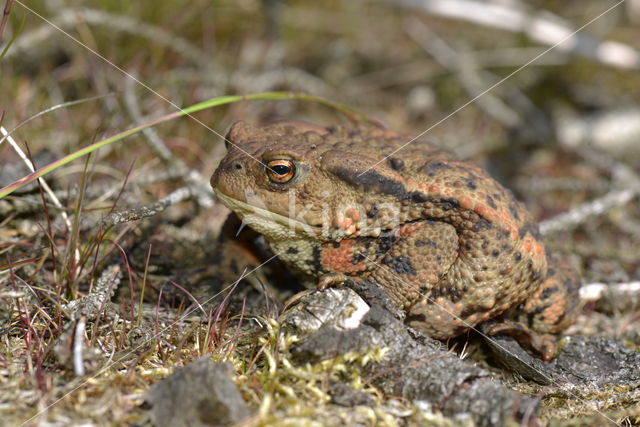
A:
x: 201, y: 393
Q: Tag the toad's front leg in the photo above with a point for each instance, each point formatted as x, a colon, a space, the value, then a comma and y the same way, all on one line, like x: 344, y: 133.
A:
x: 407, y: 262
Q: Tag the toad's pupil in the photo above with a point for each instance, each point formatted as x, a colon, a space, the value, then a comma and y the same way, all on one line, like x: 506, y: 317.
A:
x: 280, y: 169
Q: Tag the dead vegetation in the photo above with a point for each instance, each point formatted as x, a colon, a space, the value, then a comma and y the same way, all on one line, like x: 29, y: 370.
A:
x: 96, y: 260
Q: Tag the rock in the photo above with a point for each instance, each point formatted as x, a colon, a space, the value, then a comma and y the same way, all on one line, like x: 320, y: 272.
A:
x: 415, y: 368
x: 344, y: 395
x: 344, y: 310
x: 425, y: 372
x: 201, y: 393
x: 596, y: 362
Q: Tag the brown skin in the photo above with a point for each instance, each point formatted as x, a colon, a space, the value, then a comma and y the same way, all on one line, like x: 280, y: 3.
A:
x: 449, y: 244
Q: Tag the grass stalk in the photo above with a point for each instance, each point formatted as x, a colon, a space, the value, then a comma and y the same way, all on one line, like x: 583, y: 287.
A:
x: 144, y: 285
x: 214, y: 102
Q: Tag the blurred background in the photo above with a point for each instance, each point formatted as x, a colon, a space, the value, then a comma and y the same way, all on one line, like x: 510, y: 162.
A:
x: 555, y: 117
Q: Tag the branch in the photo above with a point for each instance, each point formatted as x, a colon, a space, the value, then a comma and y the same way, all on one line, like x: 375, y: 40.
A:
x: 541, y: 26
x: 134, y: 214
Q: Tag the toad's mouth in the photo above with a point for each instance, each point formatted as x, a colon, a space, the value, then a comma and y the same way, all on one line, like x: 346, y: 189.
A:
x: 267, y: 222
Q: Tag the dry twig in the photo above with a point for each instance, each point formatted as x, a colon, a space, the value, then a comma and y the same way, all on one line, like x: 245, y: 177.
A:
x: 93, y: 304
x: 134, y: 214
x: 579, y: 214
x: 467, y: 72
x: 594, y: 291
x: 68, y: 18
x: 626, y: 178
x: 541, y: 26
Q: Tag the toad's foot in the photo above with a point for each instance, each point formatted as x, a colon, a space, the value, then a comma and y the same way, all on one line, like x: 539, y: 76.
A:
x: 552, y: 308
x: 543, y: 344
x: 330, y: 279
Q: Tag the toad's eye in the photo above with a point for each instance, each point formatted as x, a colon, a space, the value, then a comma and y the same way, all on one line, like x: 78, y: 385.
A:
x: 281, y: 171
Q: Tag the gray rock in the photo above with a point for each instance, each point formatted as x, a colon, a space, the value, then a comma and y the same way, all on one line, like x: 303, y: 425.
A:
x: 422, y: 370
x: 343, y: 310
x: 596, y: 374
x: 199, y: 394
x: 597, y: 361
x: 344, y: 395
x: 415, y: 367
x: 583, y: 361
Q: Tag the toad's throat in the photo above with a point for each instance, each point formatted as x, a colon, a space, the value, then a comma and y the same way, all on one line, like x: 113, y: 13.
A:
x: 344, y: 223
x: 266, y: 222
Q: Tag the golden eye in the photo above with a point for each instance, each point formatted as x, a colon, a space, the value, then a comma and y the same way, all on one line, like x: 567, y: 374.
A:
x: 281, y: 171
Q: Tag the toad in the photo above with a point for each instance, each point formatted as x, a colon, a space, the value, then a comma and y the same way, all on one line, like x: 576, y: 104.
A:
x: 450, y: 246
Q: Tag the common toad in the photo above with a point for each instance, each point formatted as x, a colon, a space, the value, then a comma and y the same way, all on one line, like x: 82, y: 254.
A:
x: 450, y: 245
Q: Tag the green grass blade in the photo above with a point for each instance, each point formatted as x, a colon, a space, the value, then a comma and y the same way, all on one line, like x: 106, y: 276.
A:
x: 15, y: 35
x: 214, y: 102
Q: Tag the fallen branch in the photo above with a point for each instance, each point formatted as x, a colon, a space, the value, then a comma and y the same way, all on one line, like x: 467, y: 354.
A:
x: 594, y: 291
x: 580, y: 213
x: 135, y: 214
x: 622, y: 174
x: 69, y: 18
x: 540, y: 26
x: 91, y: 305
x: 466, y: 69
